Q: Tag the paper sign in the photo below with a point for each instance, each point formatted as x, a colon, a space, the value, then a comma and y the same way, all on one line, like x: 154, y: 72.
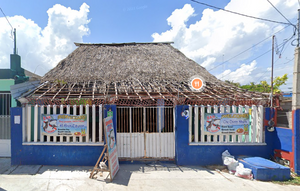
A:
x: 17, y: 119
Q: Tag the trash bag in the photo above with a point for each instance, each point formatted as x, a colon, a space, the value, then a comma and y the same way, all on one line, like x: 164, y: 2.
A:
x: 243, y: 172
x: 226, y: 154
x: 231, y: 163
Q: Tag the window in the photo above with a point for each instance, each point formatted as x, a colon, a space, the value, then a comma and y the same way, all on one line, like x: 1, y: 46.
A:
x: 5, y: 103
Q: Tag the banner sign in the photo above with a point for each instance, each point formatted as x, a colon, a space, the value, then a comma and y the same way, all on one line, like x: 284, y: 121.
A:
x: 112, y: 147
x: 224, y: 123
x: 63, y: 124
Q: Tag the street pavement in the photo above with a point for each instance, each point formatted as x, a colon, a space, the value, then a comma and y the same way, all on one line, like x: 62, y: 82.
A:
x: 154, y: 176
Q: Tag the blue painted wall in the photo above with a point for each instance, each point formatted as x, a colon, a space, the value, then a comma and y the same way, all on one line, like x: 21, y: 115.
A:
x: 281, y: 138
x: 209, y: 155
x: 296, y: 128
x: 185, y: 154
x: 51, y: 155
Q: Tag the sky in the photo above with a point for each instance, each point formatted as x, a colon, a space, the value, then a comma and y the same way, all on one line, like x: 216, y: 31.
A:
x: 230, y: 46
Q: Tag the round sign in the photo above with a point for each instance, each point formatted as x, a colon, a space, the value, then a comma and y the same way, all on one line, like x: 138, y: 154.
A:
x: 197, y: 83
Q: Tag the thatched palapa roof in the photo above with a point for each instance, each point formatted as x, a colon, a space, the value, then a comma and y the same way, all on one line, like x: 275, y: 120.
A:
x: 135, y: 74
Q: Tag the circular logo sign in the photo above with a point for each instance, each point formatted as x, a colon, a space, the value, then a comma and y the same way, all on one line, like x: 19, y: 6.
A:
x: 196, y: 83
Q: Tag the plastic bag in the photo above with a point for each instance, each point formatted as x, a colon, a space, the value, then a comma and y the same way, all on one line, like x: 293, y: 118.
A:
x: 231, y: 163
x: 243, y: 172
x: 226, y: 154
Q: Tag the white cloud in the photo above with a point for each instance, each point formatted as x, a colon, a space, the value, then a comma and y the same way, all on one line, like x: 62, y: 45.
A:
x: 241, y: 75
x: 41, y: 49
x: 220, y: 35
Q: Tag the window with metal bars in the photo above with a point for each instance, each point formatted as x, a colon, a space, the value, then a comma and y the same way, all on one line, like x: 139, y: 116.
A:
x: 5, y: 103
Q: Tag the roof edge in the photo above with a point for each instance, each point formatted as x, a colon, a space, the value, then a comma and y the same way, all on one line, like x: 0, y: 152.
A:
x: 120, y: 44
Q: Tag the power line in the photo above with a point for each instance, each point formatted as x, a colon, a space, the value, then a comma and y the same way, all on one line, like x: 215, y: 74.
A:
x: 6, y: 19
x: 241, y: 14
x: 256, y: 58
x: 282, y: 44
x: 246, y: 49
x: 259, y: 72
x: 281, y: 13
x: 276, y: 65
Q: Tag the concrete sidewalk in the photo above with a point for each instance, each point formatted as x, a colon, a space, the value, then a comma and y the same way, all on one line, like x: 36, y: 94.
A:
x: 150, y: 176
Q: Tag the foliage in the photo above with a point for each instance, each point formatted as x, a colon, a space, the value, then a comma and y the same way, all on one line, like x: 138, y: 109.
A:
x: 60, y: 82
x: 263, y: 86
x: 294, y: 180
x: 233, y: 83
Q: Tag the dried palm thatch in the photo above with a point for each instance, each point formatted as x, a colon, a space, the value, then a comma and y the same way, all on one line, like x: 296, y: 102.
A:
x: 124, y: 62
x: 135, y: 74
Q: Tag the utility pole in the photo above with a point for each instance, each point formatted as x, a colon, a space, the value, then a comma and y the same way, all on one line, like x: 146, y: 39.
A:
x: 296, y: 73
x: 296, y: 106
x: 273, y: 38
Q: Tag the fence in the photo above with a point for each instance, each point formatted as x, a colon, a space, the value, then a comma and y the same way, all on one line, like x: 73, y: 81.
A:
x: 146, y: 132
x: 200, y: 127
x: 32, y: 133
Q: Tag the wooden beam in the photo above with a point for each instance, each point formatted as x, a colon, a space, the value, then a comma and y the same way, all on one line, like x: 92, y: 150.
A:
x: 43, y: 85
x: 58, y: 92
x: 83, y: 86
x: 94, y: 88
x: 47, y: 91
x: 145, y: 90
x: 174, y: 88
x: 158, y: 91
x: 116, y: 91
x: 123, y: 84
x: 70, y: 91
x: 136, y: 92
x: 191, y: 92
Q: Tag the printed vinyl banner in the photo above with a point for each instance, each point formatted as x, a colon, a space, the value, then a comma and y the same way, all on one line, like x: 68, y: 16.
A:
x: 112, y: 147
x: 63, y: 124
x: 224, y: 123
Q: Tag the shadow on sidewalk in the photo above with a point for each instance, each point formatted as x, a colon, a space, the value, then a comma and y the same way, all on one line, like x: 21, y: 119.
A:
x: 79, y: 172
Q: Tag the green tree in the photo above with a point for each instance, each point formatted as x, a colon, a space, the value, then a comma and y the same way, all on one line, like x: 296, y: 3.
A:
x: 233, y: 83
x: 263, y: 86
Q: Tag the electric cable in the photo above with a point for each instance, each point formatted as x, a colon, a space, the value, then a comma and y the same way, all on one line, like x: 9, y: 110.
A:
x: 7, y: 19
x: 241, y: 14
x: 247, y: 49
x: 268, y: 71
x: 281, y: 14
x: 266, y: 53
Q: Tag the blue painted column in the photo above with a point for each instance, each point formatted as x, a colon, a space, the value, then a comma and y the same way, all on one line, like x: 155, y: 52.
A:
x: 16, y: 135
x: 296, y: 139
x: 181, y: 135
